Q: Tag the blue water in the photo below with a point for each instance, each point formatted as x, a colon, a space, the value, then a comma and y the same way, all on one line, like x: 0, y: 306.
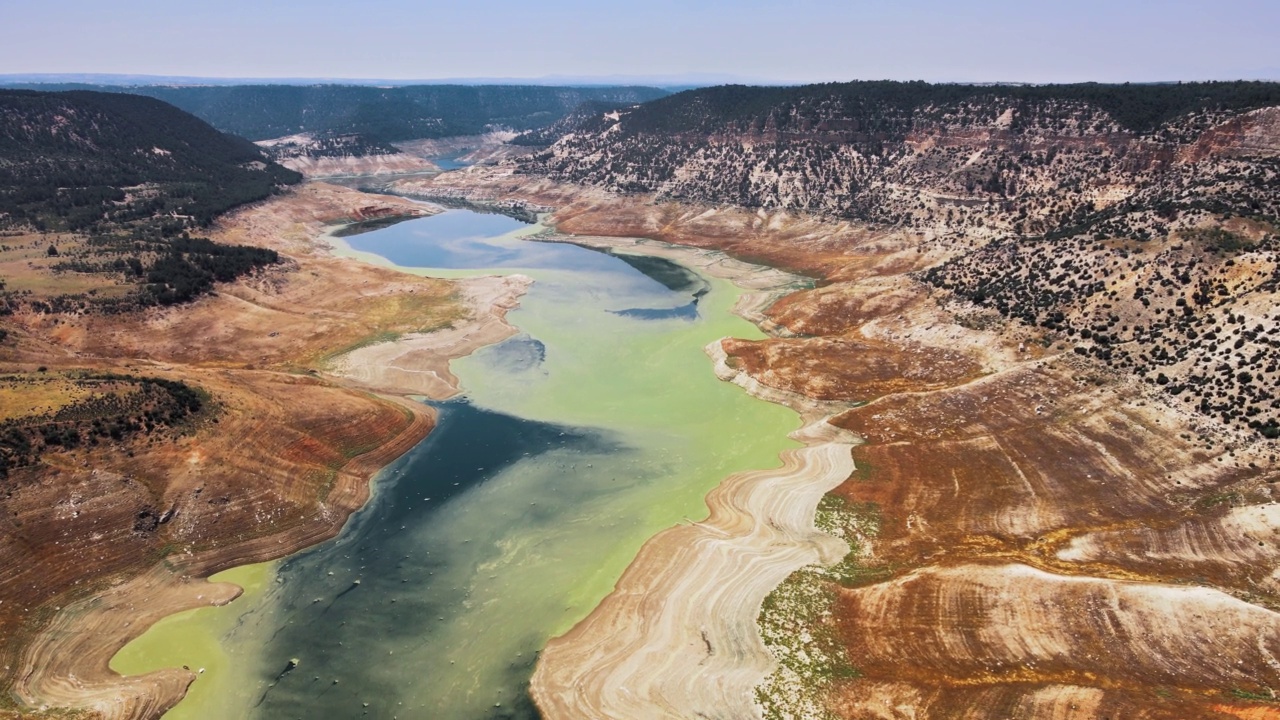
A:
x: 465, y: 239
x: 351, y: 605
x: 451, y: 162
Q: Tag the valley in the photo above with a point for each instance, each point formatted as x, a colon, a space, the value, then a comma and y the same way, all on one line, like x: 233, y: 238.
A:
x: 1025, y: 334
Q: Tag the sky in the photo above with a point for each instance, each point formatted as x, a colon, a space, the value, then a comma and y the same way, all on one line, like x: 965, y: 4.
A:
x: 793, y: 42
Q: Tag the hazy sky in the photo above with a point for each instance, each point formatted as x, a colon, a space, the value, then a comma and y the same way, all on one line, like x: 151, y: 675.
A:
x: 801, y: 40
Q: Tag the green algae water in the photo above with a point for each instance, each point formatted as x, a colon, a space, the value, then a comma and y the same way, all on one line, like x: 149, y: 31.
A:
x: 597, y: 426
x: 197, y: 639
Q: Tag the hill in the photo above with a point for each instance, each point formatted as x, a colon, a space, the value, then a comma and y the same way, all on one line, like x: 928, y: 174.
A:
x: 1137, y: 224
x: 1049, y: 316
x: 124, y: 181
x: 870, y: 150
x: 382, y: 115
x: 77, y: 160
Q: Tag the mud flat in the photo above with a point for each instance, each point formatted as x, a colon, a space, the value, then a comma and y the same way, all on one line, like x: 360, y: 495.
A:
x: 418, y: 363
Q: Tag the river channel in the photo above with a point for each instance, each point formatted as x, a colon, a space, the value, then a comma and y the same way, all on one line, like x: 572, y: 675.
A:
x: 598, y: 425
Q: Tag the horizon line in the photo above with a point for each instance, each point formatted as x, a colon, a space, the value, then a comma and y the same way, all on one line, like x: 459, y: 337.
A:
x: 658, y: 80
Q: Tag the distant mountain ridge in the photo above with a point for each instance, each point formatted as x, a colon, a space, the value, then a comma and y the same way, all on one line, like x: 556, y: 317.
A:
x: 665, y: 80
x: 381, y: 115
x: 131, y: 179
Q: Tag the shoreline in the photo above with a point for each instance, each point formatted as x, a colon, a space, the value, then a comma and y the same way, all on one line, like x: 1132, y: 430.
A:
x: 67, y: 665
x: 679, y: 630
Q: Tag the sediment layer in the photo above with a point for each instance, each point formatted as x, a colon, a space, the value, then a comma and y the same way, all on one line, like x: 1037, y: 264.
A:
x: 677, y: 637
x: 362, y: 166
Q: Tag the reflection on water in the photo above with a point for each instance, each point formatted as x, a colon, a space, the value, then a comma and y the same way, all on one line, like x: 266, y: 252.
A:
x: 673, y: 276
x: 518, y: 354
x: 684, y: 312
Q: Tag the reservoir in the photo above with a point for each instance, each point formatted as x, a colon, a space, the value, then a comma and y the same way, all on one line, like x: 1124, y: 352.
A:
x: 598, y: 425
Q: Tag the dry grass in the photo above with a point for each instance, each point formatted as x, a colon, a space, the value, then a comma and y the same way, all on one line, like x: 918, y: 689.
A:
x: 27, y: 395
x: 27, y: 267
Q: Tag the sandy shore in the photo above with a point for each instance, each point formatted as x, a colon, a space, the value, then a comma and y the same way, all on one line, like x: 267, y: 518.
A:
x: 678, y: 636
x: 58, y: 673
x: 418, y: 363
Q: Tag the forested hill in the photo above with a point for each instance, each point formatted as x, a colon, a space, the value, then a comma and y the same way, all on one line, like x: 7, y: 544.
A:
x: 383, y: 115
x: 889, y: 109
x: 87, y: 161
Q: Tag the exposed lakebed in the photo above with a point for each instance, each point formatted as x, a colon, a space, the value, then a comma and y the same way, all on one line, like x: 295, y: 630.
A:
x: 597, y: 426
